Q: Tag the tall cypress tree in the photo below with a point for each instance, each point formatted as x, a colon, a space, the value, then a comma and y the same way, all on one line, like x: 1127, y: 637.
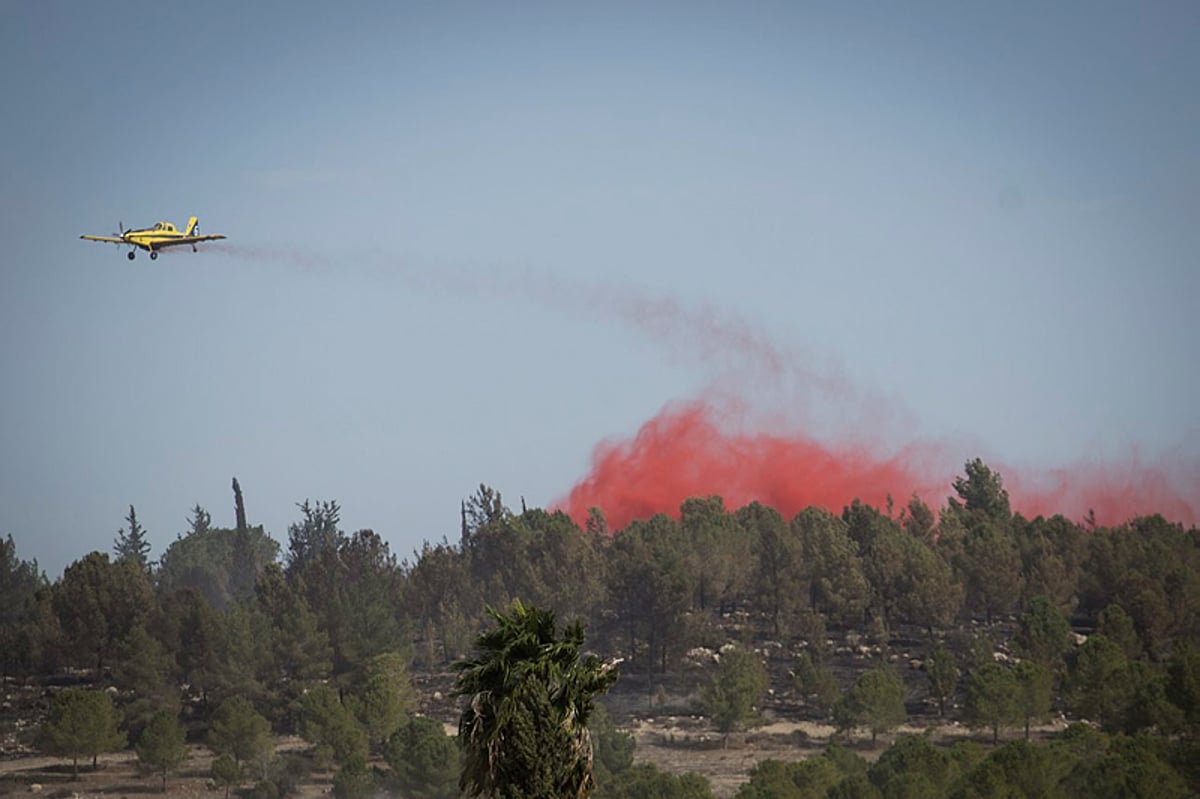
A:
x: 246, y: 565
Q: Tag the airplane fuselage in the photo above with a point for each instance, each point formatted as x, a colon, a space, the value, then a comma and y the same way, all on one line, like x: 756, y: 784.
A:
x: 163, y: 234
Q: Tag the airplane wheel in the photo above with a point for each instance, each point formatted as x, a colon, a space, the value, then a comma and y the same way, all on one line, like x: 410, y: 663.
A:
x: 130, y: 255
x: 153, y: 256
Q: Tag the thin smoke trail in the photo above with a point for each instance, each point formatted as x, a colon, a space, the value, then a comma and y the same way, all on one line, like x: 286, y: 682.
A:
x: 703, y: 333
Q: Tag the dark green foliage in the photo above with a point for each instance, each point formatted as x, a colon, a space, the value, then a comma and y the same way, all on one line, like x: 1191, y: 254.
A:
x: 1117, y: 626
x: 1034, y: 685
x: 613, y: 749
x: 909, y: 580
x: 315, y: 535
x: 942, y: 669
x: 876, y: 701
x: 918, y: 519
x: 350, y: 582
x: 1044, y: 634
x: 97, y: 603
x: 424, y: 760
x: 718, y: 551
x: 649, y: 589
x: 807, y: 779
x: 1144, y: 598
x: 440, y: 596
x: 772, y: 779
x: 354, y: 780
x: 326, y: 722
x: 382, y: 699
x: 732, y: 697
x: 529, y: 698
x: 930, y: 596
x: 81, y: 724
x: 1017, y: 770
x: 982, y: 492
x: 364, y: 618
x: 227, y: 621
x: 20, y: 583
x: 132, y: 545
x: 244, y: 665
x: 816, y: 683
x: 1124, y: 767
x: 238, y: 730
x: 161, y: 749
x: 977, y: 652
x: 567, y: 565
x: 1098, y: 685
x: 856, y: 787
x: 978, y: 531
x: 881, y: 545
x: 645, y: 781
x: 221, y: 564
x: 1052, y: 552
x: 299, y: 647
x: 1183, y: 683
x: 1151, y: 568
x: 482, y: 508
x: 991, y: 698
x: 145, y: 670
x: 991, y: 564
x: 225, y: 772
x: 831, y: 567
x: 778, y: 563
x: 966, y: 754
x: 911, y: 766
x: 1081, y: 762
x: 287, y: 771
x: 1147, y: 706
x: 190, y: 631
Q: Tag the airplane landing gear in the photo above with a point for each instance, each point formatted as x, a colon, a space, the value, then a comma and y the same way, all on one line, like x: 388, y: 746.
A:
x: 153, y: 255
x: 130, y: 255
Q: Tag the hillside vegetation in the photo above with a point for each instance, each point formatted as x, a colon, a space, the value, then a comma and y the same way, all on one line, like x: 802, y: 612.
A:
x: 860, y: 621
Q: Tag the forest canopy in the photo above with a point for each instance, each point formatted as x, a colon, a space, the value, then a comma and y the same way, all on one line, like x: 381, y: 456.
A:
x: 1001, y: 620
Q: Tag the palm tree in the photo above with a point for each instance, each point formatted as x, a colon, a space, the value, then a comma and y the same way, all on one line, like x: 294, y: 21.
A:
x: 524, y: 727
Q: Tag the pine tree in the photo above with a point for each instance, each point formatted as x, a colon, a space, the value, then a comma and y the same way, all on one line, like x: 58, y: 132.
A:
x: 736, y: 690
x: 225, y: 772
x: 81, y: 723
x: 132, y: 545
x: 239, y: 731
x: 161, y: 747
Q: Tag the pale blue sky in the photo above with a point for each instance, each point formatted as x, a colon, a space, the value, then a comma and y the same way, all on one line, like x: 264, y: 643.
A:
x: 985, y: 213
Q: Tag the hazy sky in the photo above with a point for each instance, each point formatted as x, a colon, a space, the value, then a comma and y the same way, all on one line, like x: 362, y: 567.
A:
x: 983, y: 219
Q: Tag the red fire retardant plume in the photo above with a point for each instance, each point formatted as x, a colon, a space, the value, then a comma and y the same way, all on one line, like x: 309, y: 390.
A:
x: 682, y: 453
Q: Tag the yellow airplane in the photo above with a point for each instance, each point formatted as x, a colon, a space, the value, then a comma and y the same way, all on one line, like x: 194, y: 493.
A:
x: 153, y: 239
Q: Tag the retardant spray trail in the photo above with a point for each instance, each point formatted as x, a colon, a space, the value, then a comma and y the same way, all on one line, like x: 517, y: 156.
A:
x: 695, y: 449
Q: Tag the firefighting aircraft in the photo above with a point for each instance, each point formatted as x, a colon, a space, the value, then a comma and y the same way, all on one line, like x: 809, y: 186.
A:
x: 153, y: 239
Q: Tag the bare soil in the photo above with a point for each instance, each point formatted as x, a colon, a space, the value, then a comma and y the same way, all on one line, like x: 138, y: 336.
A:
x: 676, y: 744
x: 682, y: 745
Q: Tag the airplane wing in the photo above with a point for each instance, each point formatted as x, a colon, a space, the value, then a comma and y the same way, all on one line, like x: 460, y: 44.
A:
x: 186, y: 240
x: 109, y: 239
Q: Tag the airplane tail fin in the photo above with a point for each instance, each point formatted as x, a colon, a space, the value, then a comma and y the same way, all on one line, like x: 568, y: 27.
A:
x: 191, y: 226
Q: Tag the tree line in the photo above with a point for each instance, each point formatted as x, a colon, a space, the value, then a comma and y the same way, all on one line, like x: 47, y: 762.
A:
x: 307, y: 634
